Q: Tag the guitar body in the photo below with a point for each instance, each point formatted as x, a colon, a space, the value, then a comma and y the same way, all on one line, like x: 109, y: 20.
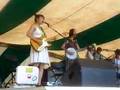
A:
x: 34, y: 45
x: 38, y: 47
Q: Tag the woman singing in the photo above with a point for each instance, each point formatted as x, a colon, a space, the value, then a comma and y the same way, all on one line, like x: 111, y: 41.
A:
x: 36, y: 33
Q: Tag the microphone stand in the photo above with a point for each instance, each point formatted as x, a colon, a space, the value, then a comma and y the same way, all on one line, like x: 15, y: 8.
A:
x: 49, y: 26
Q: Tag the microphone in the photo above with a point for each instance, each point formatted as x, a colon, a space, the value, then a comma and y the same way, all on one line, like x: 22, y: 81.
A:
x: 47, y: 24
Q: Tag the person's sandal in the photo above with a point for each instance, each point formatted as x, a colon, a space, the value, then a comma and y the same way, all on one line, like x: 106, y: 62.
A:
x: 38, y: 85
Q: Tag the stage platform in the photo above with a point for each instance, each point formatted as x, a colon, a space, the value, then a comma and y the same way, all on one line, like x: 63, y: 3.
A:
x: 91, y: 74
x: 65, y: 88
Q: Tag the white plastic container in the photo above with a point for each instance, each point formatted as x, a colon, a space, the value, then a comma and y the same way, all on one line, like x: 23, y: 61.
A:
x: 27, y: 75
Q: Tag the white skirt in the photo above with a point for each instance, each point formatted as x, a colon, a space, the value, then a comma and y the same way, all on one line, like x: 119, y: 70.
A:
x: 39, y: 57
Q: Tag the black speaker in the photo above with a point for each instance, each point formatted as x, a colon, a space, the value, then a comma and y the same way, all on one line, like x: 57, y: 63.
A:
x: 97, y: 73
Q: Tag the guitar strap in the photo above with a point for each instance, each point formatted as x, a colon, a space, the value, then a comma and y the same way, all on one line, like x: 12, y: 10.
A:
x: 42, y: 31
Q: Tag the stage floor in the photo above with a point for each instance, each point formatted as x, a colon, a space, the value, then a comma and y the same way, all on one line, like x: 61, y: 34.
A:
x: 65, y: 88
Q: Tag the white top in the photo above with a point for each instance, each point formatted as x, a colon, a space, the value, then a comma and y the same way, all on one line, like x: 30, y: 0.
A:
x: 117, y: 64
x: 37, y: 32
x: 98, y: 56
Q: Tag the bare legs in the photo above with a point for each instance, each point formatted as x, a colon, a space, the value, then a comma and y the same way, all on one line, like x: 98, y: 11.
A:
x: 41, y: 70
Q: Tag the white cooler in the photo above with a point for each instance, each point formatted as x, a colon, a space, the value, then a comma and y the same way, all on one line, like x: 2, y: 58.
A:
x: 27, y: 75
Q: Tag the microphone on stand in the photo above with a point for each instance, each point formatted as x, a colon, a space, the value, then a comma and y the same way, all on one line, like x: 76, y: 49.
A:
x: 54, y: 29
x: 47, y: 24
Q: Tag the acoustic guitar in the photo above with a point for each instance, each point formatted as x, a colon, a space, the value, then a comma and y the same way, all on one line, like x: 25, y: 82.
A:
x: 39, y: 47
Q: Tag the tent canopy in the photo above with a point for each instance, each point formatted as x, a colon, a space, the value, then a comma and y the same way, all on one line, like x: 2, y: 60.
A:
x: 61, y: 14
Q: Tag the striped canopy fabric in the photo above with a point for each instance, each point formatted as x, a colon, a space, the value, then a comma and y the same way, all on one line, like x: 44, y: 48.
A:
x: 96, y: 21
